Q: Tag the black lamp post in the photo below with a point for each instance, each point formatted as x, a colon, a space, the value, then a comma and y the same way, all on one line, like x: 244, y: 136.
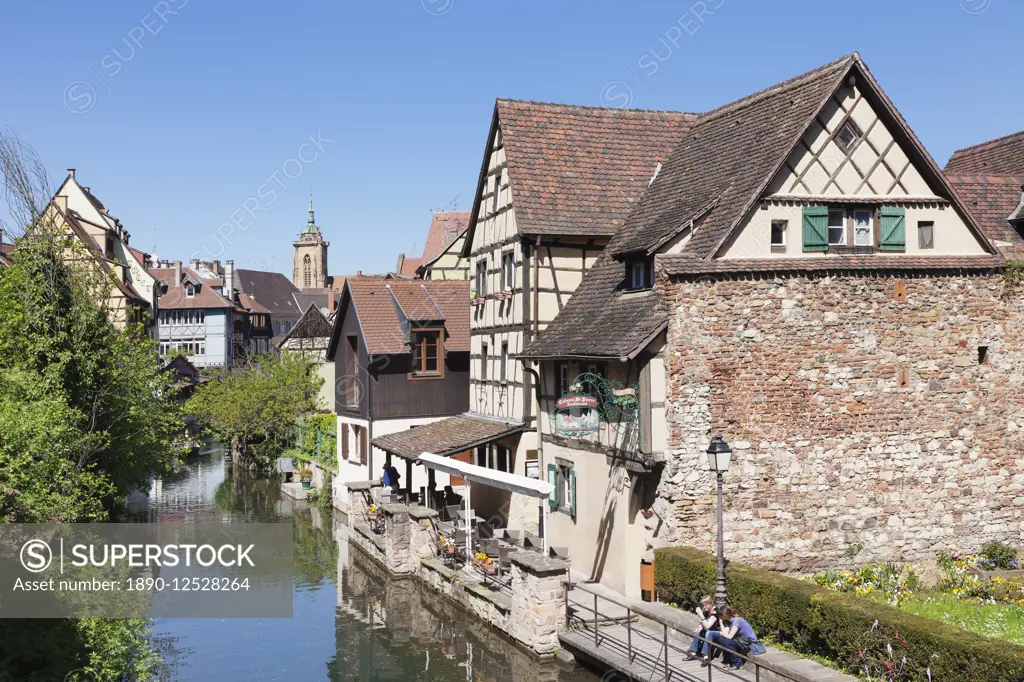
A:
x: 719, y: 455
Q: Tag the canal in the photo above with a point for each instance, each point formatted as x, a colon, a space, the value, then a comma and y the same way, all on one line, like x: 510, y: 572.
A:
x: 351, y: 622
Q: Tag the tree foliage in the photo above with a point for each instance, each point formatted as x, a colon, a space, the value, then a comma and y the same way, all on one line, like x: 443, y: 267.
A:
x: 257, y: 405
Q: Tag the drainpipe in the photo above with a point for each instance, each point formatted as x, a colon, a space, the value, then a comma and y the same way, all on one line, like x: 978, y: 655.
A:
x: 541, y: 464
x: 369, y: 415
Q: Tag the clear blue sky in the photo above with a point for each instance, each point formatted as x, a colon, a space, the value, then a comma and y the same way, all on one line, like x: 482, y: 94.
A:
x: 177, y: 133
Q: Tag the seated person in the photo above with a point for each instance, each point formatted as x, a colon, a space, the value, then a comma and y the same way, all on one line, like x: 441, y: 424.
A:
x: 735, y: 635
x: 451, y: 498
x: 708, y: 615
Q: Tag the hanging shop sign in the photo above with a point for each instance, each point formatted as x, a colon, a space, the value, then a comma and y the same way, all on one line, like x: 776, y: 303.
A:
x: 592, y: 398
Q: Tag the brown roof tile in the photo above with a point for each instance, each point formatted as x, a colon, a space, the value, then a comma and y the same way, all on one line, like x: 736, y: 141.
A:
x: 445, y: 228
x: 446, y: 437
x: 579, y: 170
x: 600, y: 319
x: 175, y: 297
x: 378, y: 315
x: 992, y: 199
x: 409, y: 266
x: 1001, y: 156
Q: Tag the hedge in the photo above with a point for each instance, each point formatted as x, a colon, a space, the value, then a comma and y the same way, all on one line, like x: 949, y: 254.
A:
x: 815, y: 620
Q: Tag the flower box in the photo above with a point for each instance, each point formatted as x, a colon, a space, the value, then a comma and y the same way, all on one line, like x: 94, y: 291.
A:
x: 477, y: 301
x: 488, y: 567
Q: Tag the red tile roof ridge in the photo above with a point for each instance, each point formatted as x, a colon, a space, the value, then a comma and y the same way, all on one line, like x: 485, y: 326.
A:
x: 611, y: 110
x: 981, y: 178
x: 991, y: 143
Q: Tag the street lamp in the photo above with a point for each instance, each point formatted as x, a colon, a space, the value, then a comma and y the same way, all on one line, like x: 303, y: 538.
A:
x: 719, y: 454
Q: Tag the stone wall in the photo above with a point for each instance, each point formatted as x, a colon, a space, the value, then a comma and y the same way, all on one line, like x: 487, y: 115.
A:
x: 872, y: 417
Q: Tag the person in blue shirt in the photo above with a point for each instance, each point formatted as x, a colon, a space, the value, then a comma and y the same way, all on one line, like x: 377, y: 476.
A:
x: 735, y: 635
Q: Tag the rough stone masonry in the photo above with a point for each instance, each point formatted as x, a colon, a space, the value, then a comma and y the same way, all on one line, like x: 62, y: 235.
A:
x: 872, y: 416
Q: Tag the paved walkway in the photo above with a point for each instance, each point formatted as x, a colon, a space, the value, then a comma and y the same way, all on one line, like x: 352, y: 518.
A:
x: 630, y: 637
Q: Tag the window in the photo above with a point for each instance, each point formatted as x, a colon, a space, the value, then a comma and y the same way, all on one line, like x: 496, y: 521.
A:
x: 562, y: 476
x: 848, y: 136
x: 589, y: 387
x: 982, y: 355
x: 778, y: 236
x: 363, y: 451
x: 344, y: 441
x: 497, y: 192
x: 190, y: 291
x: 532, y: 464
x: 351, y: 380
x: 501, y: 462
x: 481, y: 456
x: 508, y: 271
x: 925, y: 234
x: 108, y: 246
x: 481, y: 277
x: 426, y: 352
x: 641, y: 275
x: 561, y: 379
x: 483, y: 362
x: 836, y: 226
x: 307, y: 271
x: 504, y: 362
x: 863, y: 228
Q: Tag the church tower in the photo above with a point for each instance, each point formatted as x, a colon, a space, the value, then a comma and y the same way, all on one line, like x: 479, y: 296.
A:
x: 309, y: 267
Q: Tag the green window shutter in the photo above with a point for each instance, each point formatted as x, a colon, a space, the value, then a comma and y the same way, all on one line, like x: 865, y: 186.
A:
x: 815, y: 228
x: 892, y: 229
x: 572, y: 491
x: 553, y: 480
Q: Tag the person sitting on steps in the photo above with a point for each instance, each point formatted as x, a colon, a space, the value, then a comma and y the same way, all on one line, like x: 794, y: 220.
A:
x: 708, y: 615
x: 735, y: 635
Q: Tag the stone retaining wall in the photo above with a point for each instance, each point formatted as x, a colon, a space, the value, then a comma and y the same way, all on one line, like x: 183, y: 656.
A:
x: 872, y: 417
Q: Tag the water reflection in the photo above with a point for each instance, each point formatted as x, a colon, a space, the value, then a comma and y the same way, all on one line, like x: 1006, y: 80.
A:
x: 351, y: 620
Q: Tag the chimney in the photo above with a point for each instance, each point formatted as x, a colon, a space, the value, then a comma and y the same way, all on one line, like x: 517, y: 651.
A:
x: 194, y: 264
x: 359, y: 273
x: 330, y: 301
x: 217, y: 269
x: 71, y: 172
x: 177, y: 272
x: 229, y: 279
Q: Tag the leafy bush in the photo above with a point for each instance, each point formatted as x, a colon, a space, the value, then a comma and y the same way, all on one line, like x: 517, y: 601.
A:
x: 838, y: 626
x: 996, y: 556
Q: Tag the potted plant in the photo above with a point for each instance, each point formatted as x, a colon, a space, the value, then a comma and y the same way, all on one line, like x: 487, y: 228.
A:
x: 306, y: 476
x: 485, y: 563
x: 447, y: 544
x: 372, y: 511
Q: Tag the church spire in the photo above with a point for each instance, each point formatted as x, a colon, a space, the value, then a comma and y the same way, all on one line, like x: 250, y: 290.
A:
x: 311, y: 227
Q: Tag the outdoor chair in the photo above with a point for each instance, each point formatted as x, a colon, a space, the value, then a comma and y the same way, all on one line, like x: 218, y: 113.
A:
x: 489, y: 546
x: 514, y: 536
x: 559, y: 552
x: 445, y: 527
x: 451, y: 512
x: 533, y: 543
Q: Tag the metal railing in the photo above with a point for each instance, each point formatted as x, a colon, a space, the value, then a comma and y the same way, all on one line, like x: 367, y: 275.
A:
x: 661, y: 660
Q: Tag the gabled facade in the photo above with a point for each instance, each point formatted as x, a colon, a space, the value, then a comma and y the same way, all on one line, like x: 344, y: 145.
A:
x: 77, y: 211
x: 400, y: 349
x: 442, y: 254
x: 802, y: 276
x: 198, y: 317
x: 310, y: 338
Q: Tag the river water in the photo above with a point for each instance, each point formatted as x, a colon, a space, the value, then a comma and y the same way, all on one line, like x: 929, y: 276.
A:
x: 351, y: 622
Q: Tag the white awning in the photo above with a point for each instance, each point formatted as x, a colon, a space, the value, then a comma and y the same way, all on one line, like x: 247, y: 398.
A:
x: 478, y: 474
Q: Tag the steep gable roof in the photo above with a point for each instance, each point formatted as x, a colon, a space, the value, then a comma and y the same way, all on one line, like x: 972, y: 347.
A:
x: 1001, y: 156
x: 175, y: 297
x: 729, y: 157
x: 375, y: 303
x: 575, y: 170
x: 312, y: 325
x: 273, y: 290
x: 445, y: 229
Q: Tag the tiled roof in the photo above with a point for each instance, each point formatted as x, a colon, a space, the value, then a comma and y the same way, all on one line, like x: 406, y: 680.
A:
x: 682, y: 264
x: 318, y: 297
x: 378, y: 315
x: 272, y: 289
x: 446, y: 437
x: 6, y: 249
x: 312, y: 325
x: 252, y: 305
x: 175, y: 297
x: 724, y: 159
x: 600, y: 320
x: 445, y: 228
x: 993, y: 199
x: 409, y: 266
x: 579, y: 170
x: 1002, y: 156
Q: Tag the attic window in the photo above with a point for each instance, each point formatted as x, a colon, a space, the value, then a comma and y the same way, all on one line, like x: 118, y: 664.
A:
x: 848, y: 136
x: 640, y: 275
x: 190, y: 291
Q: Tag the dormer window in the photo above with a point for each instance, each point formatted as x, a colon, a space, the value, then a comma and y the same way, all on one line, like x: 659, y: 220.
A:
x: 639, y: 275
x: 190, y: 291
x: 848, y: 136
x: 427, y: 353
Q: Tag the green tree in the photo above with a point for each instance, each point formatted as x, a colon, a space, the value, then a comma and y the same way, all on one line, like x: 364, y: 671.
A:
x: 256, y: 406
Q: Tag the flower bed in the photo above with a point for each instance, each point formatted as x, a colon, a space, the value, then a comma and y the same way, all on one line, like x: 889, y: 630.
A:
x: 849, y: 629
